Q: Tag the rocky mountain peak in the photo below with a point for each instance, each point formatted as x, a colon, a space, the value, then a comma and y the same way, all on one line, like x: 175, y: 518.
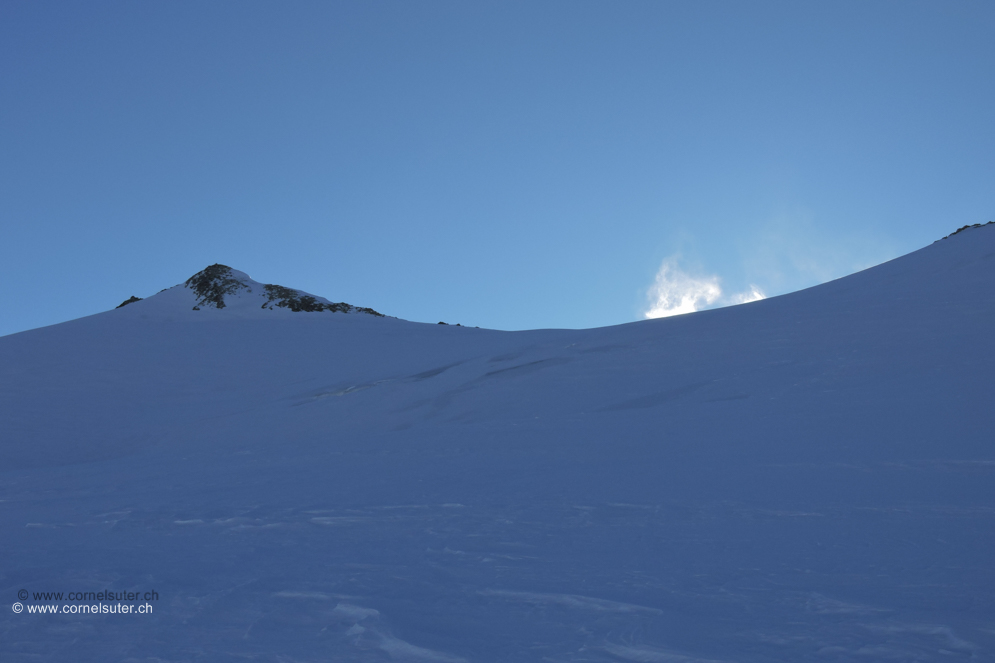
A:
x: 212, y: 284
x: 218, y: 285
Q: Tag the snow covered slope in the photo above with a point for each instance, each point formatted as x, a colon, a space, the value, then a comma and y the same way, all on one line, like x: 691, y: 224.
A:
x: 805, y: 478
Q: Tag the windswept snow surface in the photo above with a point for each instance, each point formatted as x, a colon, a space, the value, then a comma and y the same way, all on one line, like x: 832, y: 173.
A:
x: 805, y: 478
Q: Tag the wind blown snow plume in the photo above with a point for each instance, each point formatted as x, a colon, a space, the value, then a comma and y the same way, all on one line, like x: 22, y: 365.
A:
x: 754, y: 294
x: 675, y: 292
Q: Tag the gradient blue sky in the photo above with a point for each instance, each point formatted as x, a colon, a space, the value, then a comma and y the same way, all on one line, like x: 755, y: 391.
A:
x: 508, y: 165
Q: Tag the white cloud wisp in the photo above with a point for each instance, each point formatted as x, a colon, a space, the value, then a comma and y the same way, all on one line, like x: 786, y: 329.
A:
x: 674, y: 292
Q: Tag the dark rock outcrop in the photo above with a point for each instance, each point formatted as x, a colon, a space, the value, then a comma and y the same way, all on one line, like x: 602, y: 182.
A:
x: 130, y: 300
x: 278, y: 295
x: 212, y: 284
x: 968, y: 227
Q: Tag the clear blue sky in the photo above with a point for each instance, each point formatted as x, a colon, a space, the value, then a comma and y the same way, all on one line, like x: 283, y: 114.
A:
x: 508, y: 165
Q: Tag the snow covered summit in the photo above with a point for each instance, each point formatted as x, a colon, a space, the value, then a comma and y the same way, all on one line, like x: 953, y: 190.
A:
x: 221, y: 287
